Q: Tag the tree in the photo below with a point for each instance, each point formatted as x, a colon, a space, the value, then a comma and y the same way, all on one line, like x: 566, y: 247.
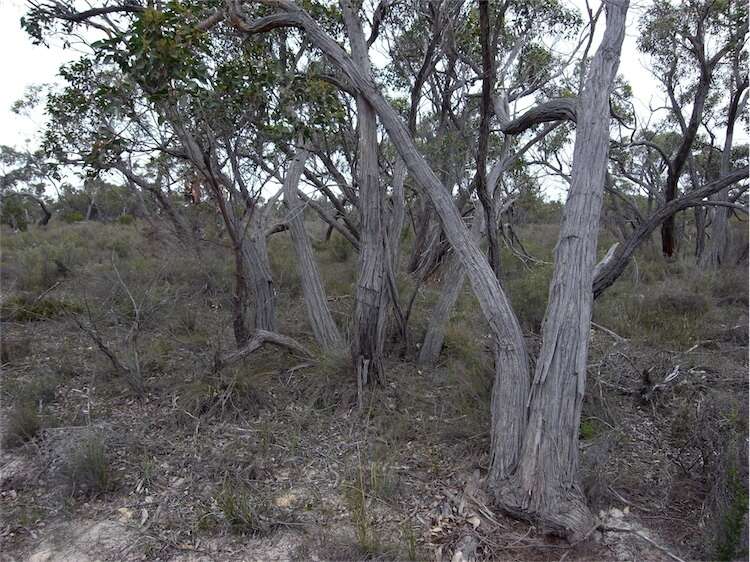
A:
x: 679, y: 39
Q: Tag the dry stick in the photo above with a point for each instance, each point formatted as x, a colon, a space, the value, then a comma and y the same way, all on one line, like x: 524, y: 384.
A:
x: 260, y: 338
x: 644, y: 537
x: 46, y: 291
x: 608, y: 332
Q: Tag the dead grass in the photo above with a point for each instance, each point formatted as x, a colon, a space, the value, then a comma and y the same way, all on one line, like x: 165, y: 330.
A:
x: 86, y: 468
x: 208, y: 457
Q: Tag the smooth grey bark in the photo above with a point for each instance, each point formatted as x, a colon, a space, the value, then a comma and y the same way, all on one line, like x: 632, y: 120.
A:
x: 545, y: 487
x: 371, y: 299
x: 453, y: 283
x: 319, y: 315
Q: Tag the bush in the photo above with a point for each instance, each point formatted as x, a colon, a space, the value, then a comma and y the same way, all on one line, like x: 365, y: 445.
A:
x: 86, y: 469
x: 72, y: 216
x: 21, y: 425
x: 126, y: 219
x: 340, y: 248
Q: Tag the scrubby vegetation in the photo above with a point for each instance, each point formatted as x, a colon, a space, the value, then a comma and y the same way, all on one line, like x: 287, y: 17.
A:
x: 267, y: 295
x: 275, y: 445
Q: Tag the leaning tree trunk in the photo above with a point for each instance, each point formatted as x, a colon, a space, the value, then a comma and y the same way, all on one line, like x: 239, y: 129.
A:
x: 453, y: 284
x: 511, y: 360
x: 322, y: 323
x: 371, y: 300
x: 545, y: 486
x: 622, y: 254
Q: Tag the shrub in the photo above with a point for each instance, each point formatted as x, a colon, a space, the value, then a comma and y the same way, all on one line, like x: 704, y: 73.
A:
x: 21, y: 425
x: 126, y: 219
x: 40, y: 391
x: 340, y: 248
x: 72, y: 216
x: 86, y: 469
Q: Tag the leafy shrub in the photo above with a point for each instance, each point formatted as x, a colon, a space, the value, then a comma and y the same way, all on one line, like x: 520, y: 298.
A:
x: 528, y: 294
x: 126, y: 219
x: 72, y: 216
x: 340, y: 248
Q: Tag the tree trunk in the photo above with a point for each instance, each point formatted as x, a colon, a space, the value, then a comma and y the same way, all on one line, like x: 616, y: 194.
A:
x: 545, y: 487
x: 322, y: 323
x: 371, y: 300
x: 716, y: 253
x: 511, y: 369
x: 255, y: 253
x: 485, y: 111
x: 453, y: 283
x: 625, y: 251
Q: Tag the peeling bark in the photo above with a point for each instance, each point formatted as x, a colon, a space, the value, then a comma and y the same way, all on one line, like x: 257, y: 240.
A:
x: 371, y: 299
x: 322, y: 323
x: 545, y: 487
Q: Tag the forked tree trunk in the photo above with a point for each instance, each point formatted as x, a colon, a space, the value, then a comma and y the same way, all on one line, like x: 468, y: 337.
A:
x: 370, y: 308
x: 322, y: 323
x: 545, y: 486
x: 453, y: 284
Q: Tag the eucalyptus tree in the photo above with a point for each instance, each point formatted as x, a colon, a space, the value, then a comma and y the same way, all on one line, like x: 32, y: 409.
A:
x: 689, y: 43
x: 25, y: 177
x: 535, y: 420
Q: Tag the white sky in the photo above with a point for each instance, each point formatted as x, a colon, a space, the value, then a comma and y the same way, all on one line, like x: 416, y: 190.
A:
x: 25, y: 64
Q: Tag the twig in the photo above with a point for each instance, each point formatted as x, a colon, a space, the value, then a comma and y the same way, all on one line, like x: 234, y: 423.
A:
x: 608, y: 332
x: 644, y: 537
x: 46, y: 291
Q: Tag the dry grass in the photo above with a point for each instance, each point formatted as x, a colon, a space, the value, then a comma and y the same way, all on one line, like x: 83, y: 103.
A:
x: 216, y: 455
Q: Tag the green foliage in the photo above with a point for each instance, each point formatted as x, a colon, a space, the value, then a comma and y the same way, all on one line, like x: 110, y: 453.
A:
x: 86, y: 469
x: 340, y: 248
x: 730, y: 543
x: 588, y: 429
x: 72, y: 216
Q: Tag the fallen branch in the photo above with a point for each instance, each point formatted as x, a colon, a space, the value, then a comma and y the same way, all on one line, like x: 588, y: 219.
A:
x: 259, y: 339
x: 604, y: 529
x: 608, y: 332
